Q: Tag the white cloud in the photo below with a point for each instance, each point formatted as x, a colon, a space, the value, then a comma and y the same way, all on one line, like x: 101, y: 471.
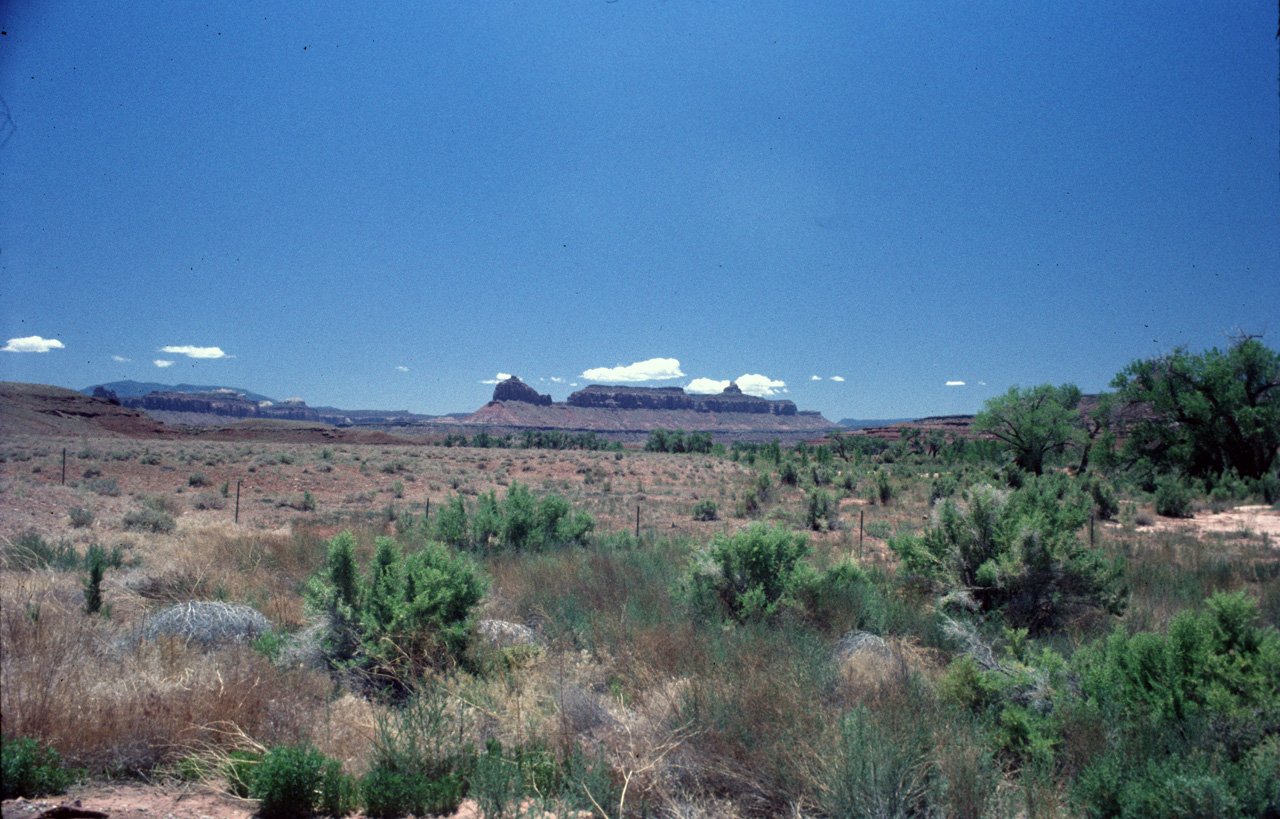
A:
x: 402, y: 369
x: 497, y: 378
x: 815, y: 378
x: 120, y: 359
x: 655, y: 369
x: 759, y: 385
x: 195, y: 352
x: 557, y: 380
x: 706, y: 385
x: 955, y: 383
x: 32, y: 344
x: 162, y: 363
x: 837, y: 378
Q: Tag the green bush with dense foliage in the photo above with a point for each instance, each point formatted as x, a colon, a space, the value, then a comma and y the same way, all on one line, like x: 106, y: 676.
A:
x: 754, y: 572
x: 32, y: 769
x: 1016, y: 552
x: 408, y: 613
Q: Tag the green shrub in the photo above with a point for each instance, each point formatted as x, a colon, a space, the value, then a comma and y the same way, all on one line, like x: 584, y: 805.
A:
x: 883, y: 488
x: 1105, y: 504
x: 80, y: 518
x: 451, y: 525
x: 197, y: 480
x: 287, y: 783
x: 149, y: 520
x: 1173, y: 499
x: 339, y: 792
x: 757, y: 570
x: 96, y: 562
x: 32, y: 769
x: 705, y: 509
x: 240, y: 769
x: 31, y: 551
x: 104, y: 486
x: 1016, y: 552
x: 787, y: 474
x: 416, y: 760
x: 880, y: 767
x: 407, y: 614
x: 821, y: 512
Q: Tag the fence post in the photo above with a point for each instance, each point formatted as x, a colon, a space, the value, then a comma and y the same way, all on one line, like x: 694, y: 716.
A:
x: 237, y: 501
x: 860, y: 514
x: 64, y: 466
x: 637, y: 521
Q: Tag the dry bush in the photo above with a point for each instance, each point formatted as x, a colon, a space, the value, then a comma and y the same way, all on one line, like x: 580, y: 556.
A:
x: 67, y: 680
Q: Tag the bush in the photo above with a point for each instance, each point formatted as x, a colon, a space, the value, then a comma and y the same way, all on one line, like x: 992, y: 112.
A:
x: 756, y: 571
x: 31, y: 769
x: 104, y: 486
x: 414, y: 612
x: 31, y: 551
x: 821, y: 513
x: 1173, y: 499
x: 209, y: 500
x: 287, y: 782
x: 1104, y: 499
x: 80, y: 518
x: 416, y: 759
x: 197, y: 480
x: 96, y: 562
x: 240, y: 769
x: 1016, y: 552
x: 878, y: 770
x: 149, y: 520
x: 705, y: 509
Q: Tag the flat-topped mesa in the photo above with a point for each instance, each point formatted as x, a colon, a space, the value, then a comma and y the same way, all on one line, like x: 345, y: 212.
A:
x: 223, y: 402
x: 513, y: 389
x: 675, y: 398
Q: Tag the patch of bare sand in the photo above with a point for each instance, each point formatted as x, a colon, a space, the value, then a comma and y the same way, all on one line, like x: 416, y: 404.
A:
x: 130, y: 801
x: 1255, y: 520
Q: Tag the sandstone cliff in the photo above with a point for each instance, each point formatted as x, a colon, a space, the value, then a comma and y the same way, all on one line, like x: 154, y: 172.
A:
x: 636, y: 409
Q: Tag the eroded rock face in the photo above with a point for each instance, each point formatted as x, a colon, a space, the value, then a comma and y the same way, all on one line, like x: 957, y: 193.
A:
x: 513, y: 389
x: 225, y: 404
x: 732, y: 399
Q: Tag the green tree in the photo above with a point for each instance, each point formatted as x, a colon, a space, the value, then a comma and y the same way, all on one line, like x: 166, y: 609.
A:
x: 1034, y: 423
x: 1209, y: 413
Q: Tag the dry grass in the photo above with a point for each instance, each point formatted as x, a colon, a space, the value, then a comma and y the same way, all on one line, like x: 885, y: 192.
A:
x: 69, y: 679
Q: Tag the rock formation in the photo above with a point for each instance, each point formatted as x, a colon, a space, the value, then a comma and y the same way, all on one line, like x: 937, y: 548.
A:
x: 611, y: 409
x: 513, y: 389
x: 732, y: 399
x: 223, y: 403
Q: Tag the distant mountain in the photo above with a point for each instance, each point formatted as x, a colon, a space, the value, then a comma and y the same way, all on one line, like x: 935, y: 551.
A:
x: 137, y: 389
x: 855, y: 423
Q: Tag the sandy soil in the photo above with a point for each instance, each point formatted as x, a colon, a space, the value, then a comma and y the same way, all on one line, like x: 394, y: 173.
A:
x: 160, y: 802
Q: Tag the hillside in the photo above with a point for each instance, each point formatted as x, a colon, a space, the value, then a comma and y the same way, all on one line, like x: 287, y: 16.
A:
x: 37, y: 409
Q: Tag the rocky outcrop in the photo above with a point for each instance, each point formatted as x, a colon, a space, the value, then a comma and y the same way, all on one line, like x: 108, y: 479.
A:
x: 225, y: 404
x: 732, y: 399
x: 513, y: 389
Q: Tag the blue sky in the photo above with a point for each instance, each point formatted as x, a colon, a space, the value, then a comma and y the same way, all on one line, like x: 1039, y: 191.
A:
x: 384, y: 205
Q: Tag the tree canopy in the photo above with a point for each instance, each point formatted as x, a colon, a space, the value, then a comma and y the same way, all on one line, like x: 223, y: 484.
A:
x: 1209, y: 413
x: 1033, y: 423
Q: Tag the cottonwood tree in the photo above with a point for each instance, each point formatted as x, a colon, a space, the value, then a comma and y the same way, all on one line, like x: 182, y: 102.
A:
x: 1033, y: 423
x: 1209, y: 413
